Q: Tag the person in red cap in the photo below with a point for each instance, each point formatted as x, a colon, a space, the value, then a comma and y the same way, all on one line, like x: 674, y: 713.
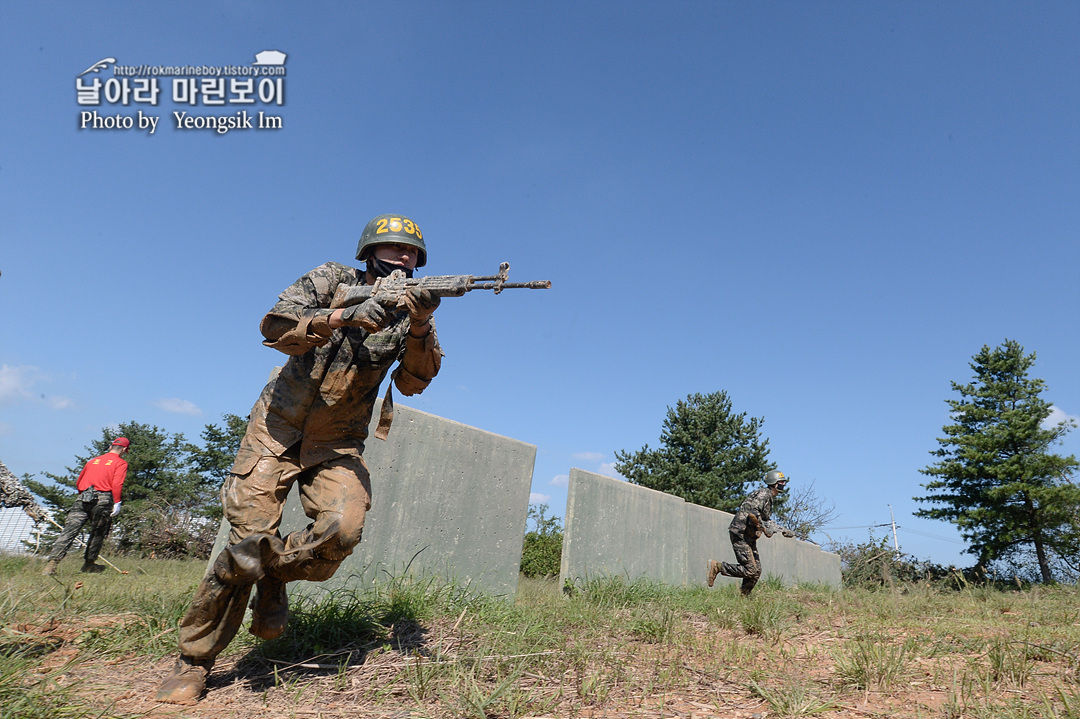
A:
x: 99, y: 488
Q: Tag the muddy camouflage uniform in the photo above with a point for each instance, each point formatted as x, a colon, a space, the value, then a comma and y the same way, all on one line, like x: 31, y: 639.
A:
x: 744, y: 533
x: 307, y: 428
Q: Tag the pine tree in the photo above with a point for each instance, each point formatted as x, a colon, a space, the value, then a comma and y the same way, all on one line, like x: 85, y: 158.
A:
x: 708, y: 454
x: 996, y: 478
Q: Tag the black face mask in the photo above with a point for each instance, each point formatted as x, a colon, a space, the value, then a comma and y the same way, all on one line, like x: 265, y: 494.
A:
x: 382, y: 268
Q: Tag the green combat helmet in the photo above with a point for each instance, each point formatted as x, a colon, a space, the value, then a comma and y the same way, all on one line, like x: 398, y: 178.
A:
x: 775, y: 476
x: 392, y: 229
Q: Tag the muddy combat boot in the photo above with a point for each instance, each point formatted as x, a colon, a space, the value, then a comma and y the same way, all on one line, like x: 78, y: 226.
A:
x: 186, y: 683
x: 50, y: 568
x: 711, y: 572
x: 91, y: 568
x: 269, y: 609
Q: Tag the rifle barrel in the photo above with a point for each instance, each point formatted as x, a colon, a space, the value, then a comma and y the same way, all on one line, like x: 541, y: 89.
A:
x: 534, y: 285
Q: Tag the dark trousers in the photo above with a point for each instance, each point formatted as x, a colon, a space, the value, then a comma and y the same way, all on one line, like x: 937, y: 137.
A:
x: 98, y: 513
x: 749, y: 566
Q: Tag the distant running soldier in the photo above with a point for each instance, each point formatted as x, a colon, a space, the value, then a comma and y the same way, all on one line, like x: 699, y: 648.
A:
x: 308, y: 428
x: 753, y: 518
x: 99, y: 487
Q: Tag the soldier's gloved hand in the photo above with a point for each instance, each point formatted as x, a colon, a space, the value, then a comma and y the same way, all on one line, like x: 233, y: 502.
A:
x: 788, y: 533
x: 421, y: 304
x: 115, y: 509
x: 369, y: 314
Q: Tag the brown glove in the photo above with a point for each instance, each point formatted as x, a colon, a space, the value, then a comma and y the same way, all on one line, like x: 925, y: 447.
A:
x: 421, y: 304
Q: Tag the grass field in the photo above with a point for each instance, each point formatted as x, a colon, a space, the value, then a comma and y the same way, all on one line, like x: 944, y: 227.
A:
x: 80, y: 645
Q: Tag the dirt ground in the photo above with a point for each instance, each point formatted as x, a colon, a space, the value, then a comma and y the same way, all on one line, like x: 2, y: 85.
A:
x: 243, y: 687
x: 233, y: 694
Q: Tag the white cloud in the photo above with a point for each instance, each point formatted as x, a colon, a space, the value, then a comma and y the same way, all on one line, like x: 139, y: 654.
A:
x: 608, y: 470
x: 179, y: 406
x: 58, y: 402
x: 560, y: 480
x: 588, y: 456
x: 16, y: 382
x: 1057, y: 416
x: 537, y: 498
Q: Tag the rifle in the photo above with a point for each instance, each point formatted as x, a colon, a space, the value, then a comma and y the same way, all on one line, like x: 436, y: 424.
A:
x: 389, y: 291
x: 755, y: 528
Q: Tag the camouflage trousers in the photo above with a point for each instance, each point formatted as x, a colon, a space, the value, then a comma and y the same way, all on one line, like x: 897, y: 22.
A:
x: 336, y: 495
x: 98, y: 513
x: 749, y: 566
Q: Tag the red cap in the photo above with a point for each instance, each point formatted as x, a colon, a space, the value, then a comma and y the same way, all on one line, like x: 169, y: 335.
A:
x: 122, y: 441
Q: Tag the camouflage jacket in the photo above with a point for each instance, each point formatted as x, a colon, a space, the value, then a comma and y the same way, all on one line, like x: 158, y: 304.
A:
x: 758, y: 503
x: 324, y: 395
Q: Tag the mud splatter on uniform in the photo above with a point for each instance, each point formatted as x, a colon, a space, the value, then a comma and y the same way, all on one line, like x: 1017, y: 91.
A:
x: 308, y: 428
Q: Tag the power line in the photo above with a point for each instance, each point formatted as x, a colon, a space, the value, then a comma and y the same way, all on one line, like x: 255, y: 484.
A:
x: 899, y: 526
x: 932, y: 536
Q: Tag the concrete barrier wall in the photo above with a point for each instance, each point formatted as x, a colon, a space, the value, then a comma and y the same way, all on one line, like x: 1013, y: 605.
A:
x: 623, y: 528
x: 613, y: 527
x: 448, y: 500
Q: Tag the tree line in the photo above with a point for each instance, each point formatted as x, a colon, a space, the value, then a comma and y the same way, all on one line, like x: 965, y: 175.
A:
x: 996, y: 476
x: 170, y: 497
x: 713, y: 457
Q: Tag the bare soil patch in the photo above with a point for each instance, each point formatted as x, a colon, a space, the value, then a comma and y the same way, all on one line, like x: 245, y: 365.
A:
x: 625, y: 678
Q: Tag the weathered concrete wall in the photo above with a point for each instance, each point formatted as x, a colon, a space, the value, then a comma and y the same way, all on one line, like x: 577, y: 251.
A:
x: 621, y: 527
x: 448, y: 499
x: 617, y: 528
x: 707, y: 538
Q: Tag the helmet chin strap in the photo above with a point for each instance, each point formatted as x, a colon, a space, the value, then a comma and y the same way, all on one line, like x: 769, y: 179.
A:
x: 382, y: 268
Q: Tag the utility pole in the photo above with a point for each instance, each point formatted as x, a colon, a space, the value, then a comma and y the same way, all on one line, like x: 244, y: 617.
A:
x: 892, y: 520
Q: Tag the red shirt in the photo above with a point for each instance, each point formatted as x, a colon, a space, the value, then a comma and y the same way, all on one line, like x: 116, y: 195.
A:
x: 105, y: 473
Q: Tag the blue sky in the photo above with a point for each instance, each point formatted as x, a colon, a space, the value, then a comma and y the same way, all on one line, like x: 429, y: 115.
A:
x: 824, y: 209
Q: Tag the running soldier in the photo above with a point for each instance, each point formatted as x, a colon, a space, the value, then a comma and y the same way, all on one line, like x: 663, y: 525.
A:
x: 308, y: 428
x: 753, y: 518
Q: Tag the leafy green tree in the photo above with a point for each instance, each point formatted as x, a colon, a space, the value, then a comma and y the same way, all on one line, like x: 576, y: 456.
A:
x: 541, y: 553
x: 996, y: 478
x: 708, y: 454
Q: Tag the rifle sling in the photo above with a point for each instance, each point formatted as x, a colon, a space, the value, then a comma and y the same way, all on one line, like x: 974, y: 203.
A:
x: 386, y: 414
